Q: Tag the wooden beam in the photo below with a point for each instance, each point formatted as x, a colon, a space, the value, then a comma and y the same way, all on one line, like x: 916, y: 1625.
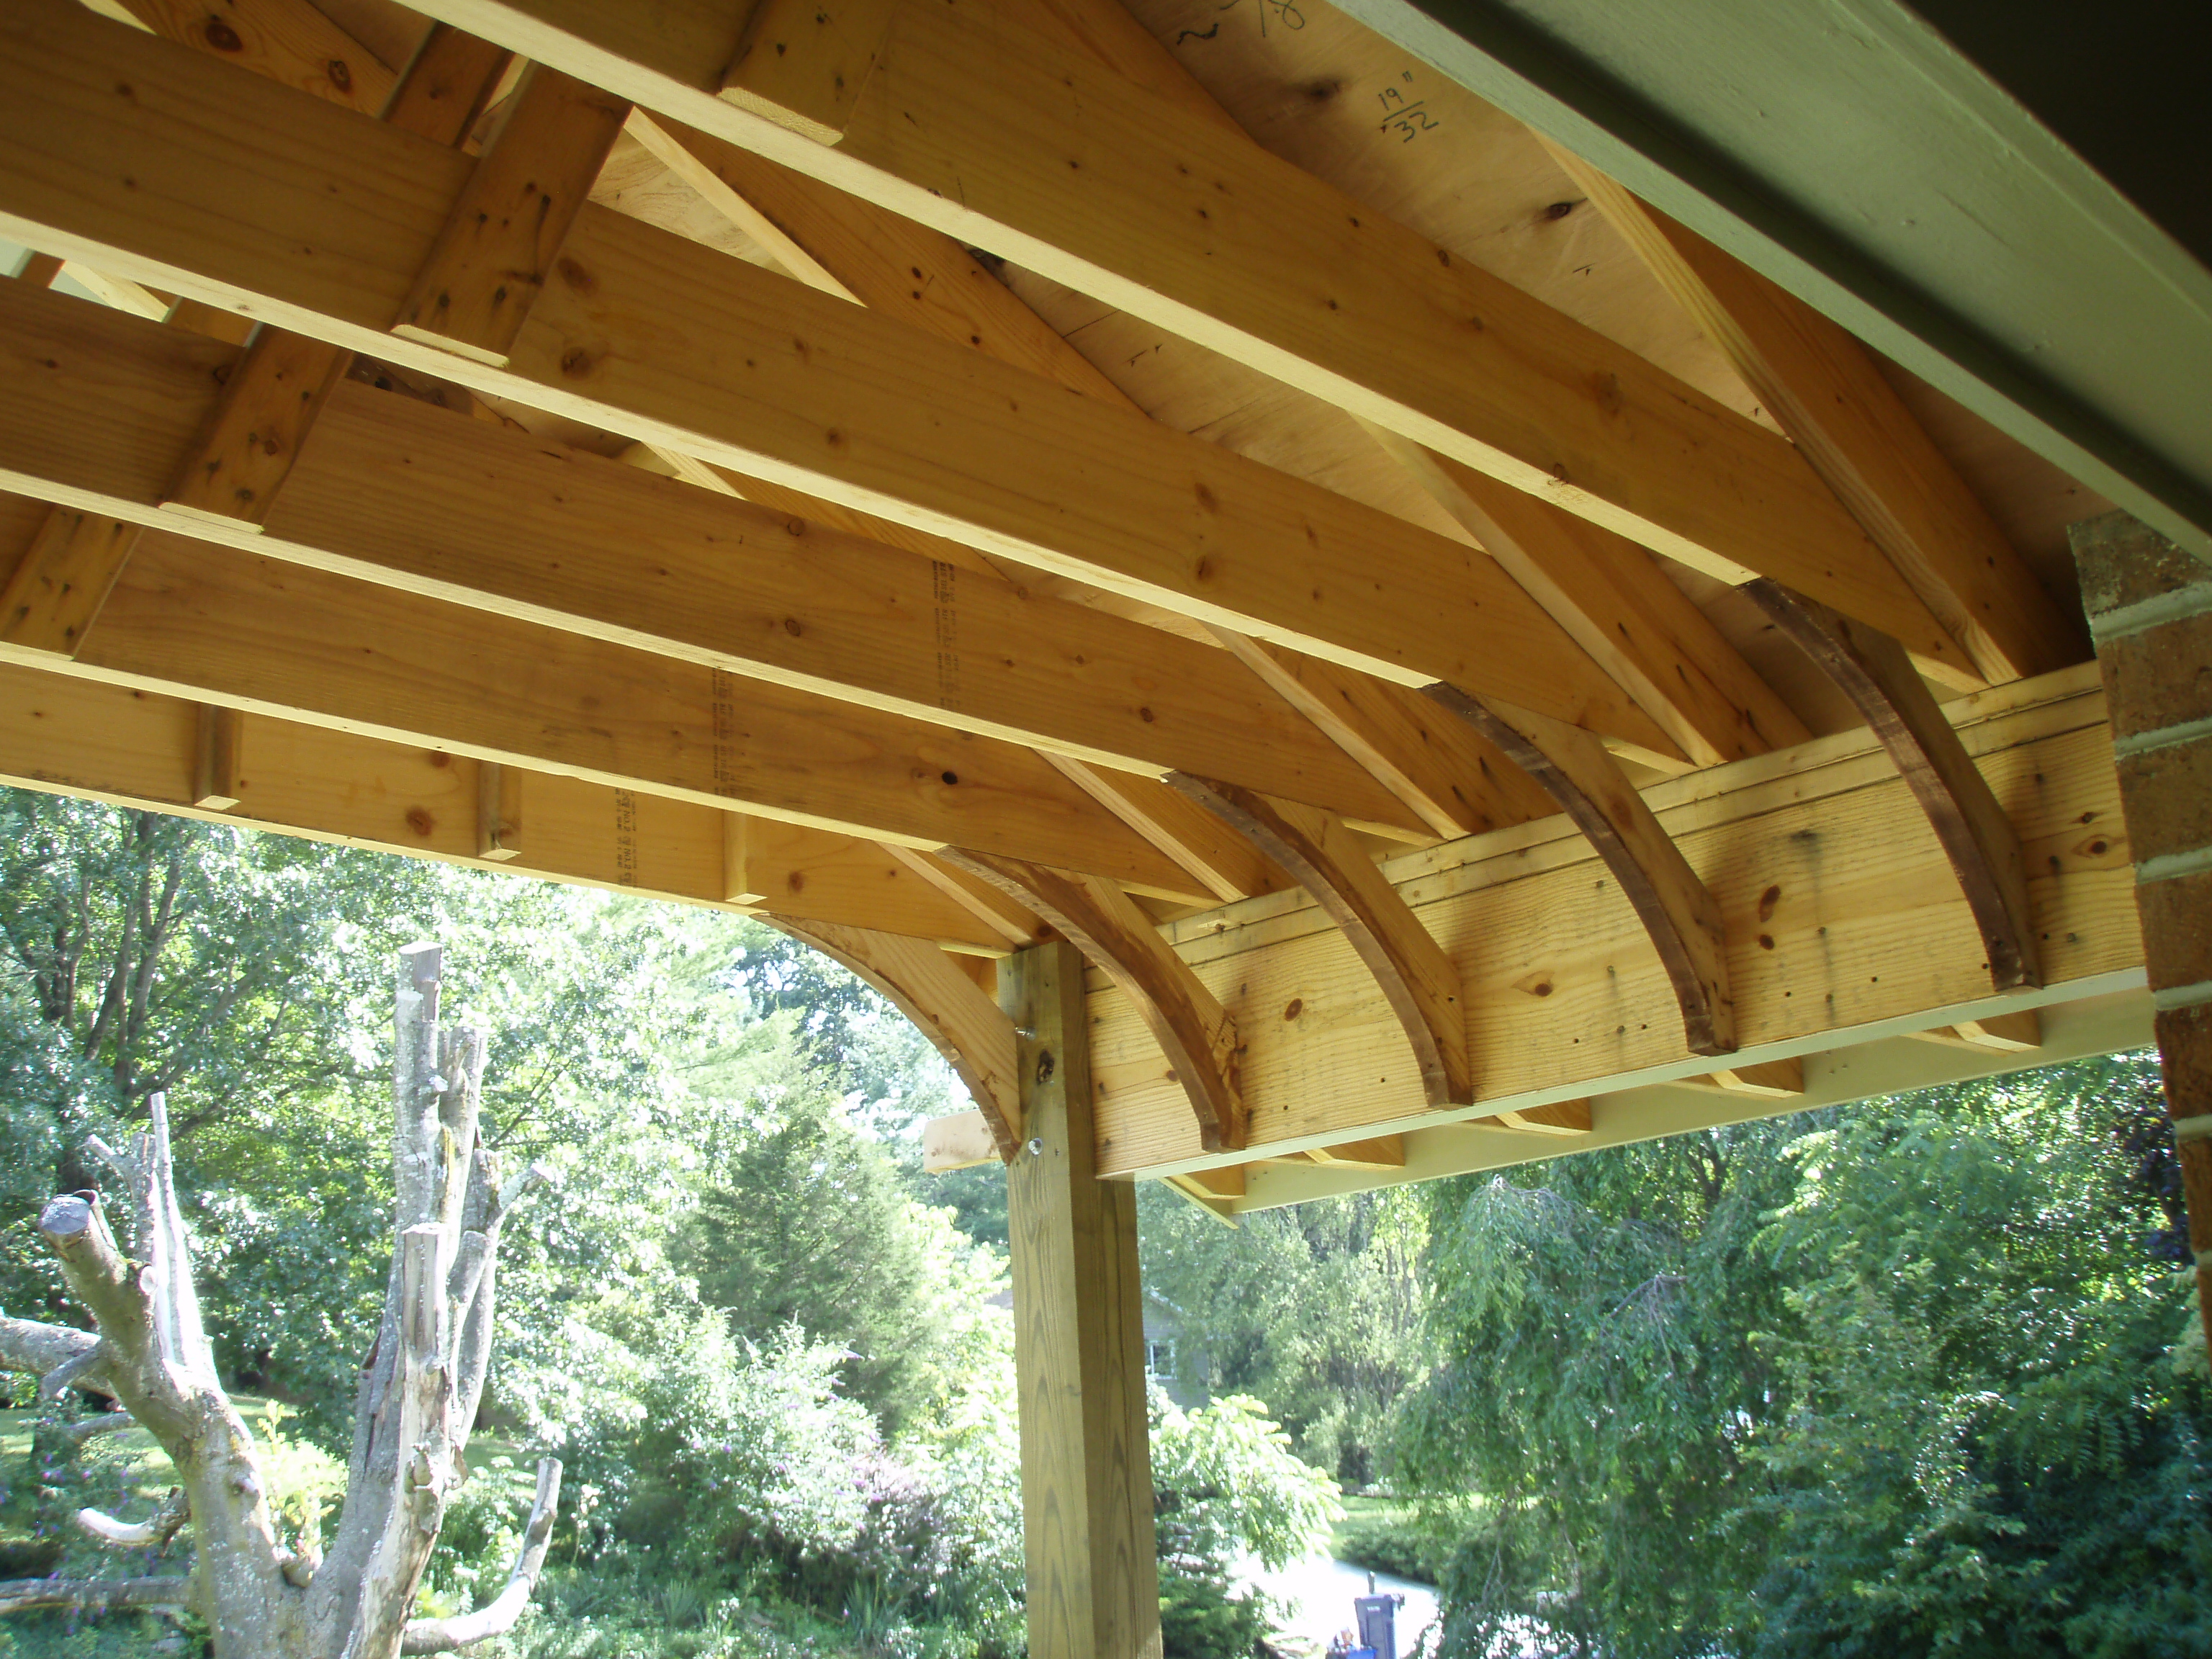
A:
x: 1773, y: 1079
x: 1087, y: 1545
x: 289, y: 41
x: 869, y: 413
x: 56, y: 587
x: 39, y: 269
x: 1417, y: 979
x: 446, y: 87
x: 1380, y: 1152
x: 961, y: 1024
x: 395, y: 490
x: 505, y: 228
x: 1218, y: 854
x: 1198, y: 1040
x: 1872, y: 671
x: 1675, y: 907
x: 995, y: 909
x: 207, y: 622
x: 2020, y: 1032
x: 1819, y: 849
x: 1824, y: 388
x: 499, y: 815
x: 1162, y: 212
x: 139, y: 749
x: 802, y: 62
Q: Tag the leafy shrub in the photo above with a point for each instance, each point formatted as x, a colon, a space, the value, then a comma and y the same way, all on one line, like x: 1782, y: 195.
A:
x: 1199, y: 1618
x: 1226, y: 1484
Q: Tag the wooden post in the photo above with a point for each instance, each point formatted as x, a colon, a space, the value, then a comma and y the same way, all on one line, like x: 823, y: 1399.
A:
x: 2150, y: 611
x: 1078, y: 1341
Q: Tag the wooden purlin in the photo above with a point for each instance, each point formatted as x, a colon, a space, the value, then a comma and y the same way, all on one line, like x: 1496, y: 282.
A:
x: 395, y: 490
x: 1842, y: 913
x: 137, y: 749
x: 1073, y: 172
x: 195, y: 619
x: 975, y: 444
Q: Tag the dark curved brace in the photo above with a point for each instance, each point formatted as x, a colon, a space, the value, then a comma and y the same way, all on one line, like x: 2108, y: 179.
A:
x: 1417, y: 978
x: 1191, y: 1028
x: 924, y: 983
x: 1873, y: 671
x: 1676, y: 908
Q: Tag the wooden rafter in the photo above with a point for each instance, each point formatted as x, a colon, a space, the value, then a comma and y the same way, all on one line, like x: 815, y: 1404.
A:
x: 1675, y: 907
x: 1084, y: 177
x: 138, y: 749
x: 1198, y: 1040
x: 975, y: 444
x: 208, y: 622
x: 1874, y: 673
x: 962, y: 1024
x: 1417, y: 979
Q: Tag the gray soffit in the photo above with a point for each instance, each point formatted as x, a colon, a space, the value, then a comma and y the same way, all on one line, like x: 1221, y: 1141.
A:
x: 1850, y: 152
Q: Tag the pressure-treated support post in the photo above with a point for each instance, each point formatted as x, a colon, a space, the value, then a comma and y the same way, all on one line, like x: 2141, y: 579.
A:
x: 2150, y: 611
x: 1078, y: 1341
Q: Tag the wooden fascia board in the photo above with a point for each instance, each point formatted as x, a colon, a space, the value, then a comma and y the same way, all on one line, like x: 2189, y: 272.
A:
x: 643, y: 332
x: 1843, y: 912
x: 131, y: 748
x: 1161, y: 212
x: 194, y: 619
x: 392, y: 491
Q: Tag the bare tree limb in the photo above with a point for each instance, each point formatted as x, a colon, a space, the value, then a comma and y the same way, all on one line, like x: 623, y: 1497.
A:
x: 498, y: 1617
x: 87, y: 1593
x: 90, y: 1427
x: 46, y: 1351
x: 137, y: 1535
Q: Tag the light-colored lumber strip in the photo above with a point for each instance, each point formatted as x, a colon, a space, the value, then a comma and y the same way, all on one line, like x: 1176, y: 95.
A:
x: 1676, y: 908
x: 740, y: 885
x: 55, y: 591
x: 120, y: 291
x: 1873, y: 672
x: 1417, y: 979
x: 1226, y: 1182
x: 802, y: 63
x: 139, y: 749
x: 498, y: 250
x: 1773, y: 1079
x: 287, y: 40
x: 241, y: 456
x: 499, y: 817
x: 224, y: 626
x: 1452, y: 778
x: 2019, y: 1032
x: 395, y: 490
x: 958, y: 1140
x: 1824, y: 388
x: 1618, y: 605
x: 1380, y: 1152
x: 446, y: 87
x: 1014, y: 924
x: 1564, y: 1117
x: 1078, y: 175
x: 677, y: 148
x: 869, y: 412
x: 1184, y: 1018
x: 218, y: 735
x: 1821, y: 850
x: 961, y: 1023
x: 1221, y: 858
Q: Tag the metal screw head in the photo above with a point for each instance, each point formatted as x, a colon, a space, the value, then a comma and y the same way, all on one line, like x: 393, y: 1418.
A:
x: 1036, y: 1147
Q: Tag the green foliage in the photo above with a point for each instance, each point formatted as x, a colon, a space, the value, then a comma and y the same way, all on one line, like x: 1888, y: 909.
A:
x: 1226, y: 1484
x: 1202, y: 1618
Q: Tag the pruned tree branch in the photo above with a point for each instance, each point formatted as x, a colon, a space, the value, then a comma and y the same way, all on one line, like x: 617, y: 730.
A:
x: 60, y: 1356
x: 88, y: 1594
x: 91, y: 1427
x: 138, y: 1534
x: 498, y: 1617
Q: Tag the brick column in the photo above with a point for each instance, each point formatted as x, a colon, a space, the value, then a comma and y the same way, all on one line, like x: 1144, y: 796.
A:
x: 2150, y: 611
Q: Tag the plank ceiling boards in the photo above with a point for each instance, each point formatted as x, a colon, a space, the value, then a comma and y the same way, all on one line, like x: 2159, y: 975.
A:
x: 1112, y: 546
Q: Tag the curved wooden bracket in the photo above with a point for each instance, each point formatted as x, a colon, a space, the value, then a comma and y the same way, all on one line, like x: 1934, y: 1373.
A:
x: 1191, y: 1028
x: 924, y: 983
x: 1676, y: 908
x: 1873, y: 671
x: 1417, y: 978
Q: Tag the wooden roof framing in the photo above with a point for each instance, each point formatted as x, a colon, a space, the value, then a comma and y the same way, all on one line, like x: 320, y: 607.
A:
x: 1439, y: 675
